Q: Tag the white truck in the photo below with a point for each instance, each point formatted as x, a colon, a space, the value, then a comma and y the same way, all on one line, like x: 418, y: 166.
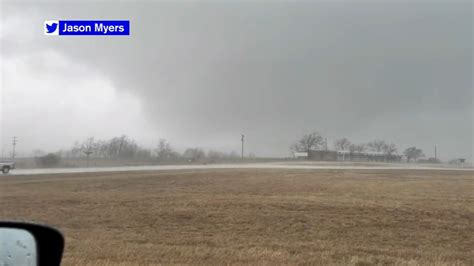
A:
x: 5, y: 167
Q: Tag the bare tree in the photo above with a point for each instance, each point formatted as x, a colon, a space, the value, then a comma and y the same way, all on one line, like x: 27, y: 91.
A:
x: 360, y: 148
x: 122, y: 147
x: 352, y: 148
x: 88, y: 146
x: 164, y: 150
x: 342, y: 144
x: 123, y: 141
x: 214, y: 155
x: 389, y: 149
x: 142, y: 153
x: 312, y: 141
x: 76, y: 150
x: 376, y: 145
x: 413, y: 153
x: 116, y: 147
x: 102, y: 147
x: 194, y: 154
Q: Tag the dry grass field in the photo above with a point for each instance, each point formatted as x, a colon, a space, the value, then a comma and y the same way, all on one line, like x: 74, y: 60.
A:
x: 264, y: 217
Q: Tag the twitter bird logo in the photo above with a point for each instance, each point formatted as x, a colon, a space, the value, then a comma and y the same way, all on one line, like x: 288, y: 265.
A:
x: 51, y: 27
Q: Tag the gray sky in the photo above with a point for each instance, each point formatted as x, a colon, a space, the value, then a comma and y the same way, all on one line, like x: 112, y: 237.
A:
x: 201, y: 73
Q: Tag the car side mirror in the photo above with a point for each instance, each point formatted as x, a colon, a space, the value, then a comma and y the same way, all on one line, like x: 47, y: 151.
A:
x: 30, y: 244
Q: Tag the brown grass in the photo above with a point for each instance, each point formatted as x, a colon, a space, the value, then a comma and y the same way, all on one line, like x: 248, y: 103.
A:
x: 265, y: 217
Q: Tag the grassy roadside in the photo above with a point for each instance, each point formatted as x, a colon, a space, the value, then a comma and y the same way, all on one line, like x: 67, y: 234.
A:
x: 338, y: 217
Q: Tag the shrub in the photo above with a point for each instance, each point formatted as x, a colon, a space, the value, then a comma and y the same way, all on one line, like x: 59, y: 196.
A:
x: 48, y: 160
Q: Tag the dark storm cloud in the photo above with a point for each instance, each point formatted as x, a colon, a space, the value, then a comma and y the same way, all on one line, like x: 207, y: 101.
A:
x: 206, y: 72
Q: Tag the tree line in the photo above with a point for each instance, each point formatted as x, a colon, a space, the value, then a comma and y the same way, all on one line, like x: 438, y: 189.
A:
x: 123, y: 147
x: 126, y: 148
x: 314, y: 141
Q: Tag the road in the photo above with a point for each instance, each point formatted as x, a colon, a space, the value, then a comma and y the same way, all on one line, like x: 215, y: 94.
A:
x: 272, y: 165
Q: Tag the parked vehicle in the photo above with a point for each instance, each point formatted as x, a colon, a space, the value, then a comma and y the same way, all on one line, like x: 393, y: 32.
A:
x: 5, y: 167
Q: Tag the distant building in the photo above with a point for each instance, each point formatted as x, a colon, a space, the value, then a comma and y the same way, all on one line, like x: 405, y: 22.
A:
x: 322, y: 155
x: 300, y: 155
x: 328, y: 155
x: 368, y: 157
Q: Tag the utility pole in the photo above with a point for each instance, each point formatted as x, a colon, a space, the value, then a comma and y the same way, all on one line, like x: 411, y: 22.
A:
x: 15, y: 140
x: 88, y: 152
x: 436, y: 153
x: 242, y: 146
